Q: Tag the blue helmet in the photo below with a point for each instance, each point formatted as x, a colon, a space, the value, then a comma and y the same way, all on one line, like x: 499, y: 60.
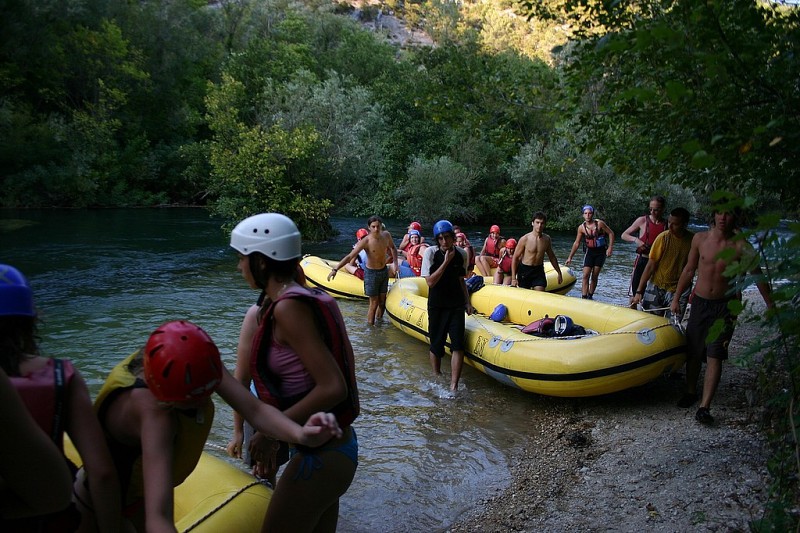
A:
x: 442, y: 226
x: 16, y: 296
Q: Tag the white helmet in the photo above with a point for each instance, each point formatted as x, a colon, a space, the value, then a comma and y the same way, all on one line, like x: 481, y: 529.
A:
x: 272, y: 234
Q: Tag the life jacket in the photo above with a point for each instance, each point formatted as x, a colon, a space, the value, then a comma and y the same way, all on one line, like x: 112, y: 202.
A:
x: 651, y: 231
x: 330, y: 324
x: 505, y: 263
x: 190, y: 438
x: 594, y: 239
x: 414, y: 258
x: 44, y: 393
x: 491, y: 246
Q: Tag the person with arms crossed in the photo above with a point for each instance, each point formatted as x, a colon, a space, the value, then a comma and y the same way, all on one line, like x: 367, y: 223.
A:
x: 444, y: 266
x: 711, y: 253
x: 527, y: 271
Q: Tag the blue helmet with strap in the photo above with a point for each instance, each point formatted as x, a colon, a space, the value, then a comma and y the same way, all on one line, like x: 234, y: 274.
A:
x: 443, y: 226
x: 16, y: 296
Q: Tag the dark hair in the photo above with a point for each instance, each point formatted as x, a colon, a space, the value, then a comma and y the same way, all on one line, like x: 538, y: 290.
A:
x: 18, y: 336
x: 681, y: 213
x: 539, y: 215
x: 725, y: 204
x: 374, y: 218
x: 658, y: 198
x: 261, y: 267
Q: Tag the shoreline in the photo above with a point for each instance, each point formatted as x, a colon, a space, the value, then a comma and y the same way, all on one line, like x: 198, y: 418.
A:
x: 634, y: 461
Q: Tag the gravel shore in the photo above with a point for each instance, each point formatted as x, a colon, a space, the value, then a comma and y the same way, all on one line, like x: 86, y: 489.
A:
x: 634, y: 461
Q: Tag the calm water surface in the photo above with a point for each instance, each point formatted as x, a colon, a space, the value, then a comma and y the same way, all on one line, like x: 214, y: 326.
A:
x: 104, y: 279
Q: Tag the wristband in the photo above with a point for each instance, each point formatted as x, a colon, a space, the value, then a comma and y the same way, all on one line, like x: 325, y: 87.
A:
x: 640, y: 292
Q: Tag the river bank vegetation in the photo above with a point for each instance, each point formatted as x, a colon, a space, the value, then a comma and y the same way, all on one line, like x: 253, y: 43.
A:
x: 247, y: 106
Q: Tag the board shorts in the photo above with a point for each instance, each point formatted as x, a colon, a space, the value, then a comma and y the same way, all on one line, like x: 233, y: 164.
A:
x: 441, y: 322
x: 703, y: 316
x: 656, y: 298
x: 376, y: 281
x: 594, y: 258
x: 359, y: 273
x: 529, y: 276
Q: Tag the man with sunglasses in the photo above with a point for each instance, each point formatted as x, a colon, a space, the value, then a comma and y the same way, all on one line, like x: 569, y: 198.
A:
x: 649, y: 227
x: 444, y: 266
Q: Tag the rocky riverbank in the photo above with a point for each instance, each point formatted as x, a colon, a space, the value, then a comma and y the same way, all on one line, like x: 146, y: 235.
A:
x: 635, y: 462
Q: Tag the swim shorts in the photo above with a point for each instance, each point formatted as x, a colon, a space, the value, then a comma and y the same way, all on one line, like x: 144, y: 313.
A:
x: 703, y: 316
x: 359, y: 273
x: 657, y: 298
x: 441, y: 322
x: 376, y: 281
x: 530, y: 276
x: 595, y: 257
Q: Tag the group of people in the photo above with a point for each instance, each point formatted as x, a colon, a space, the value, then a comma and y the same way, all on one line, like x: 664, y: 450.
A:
x: 148, y: 425
x: 295, y: 386
x: 667, y: 258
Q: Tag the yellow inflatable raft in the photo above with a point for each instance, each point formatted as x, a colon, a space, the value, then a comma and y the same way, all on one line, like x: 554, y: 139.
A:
x: 346, y: 285
x: 622, y: 348
x: 215, y: 497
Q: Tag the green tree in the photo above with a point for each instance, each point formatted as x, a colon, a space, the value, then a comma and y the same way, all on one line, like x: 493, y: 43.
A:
x: 437, y: 188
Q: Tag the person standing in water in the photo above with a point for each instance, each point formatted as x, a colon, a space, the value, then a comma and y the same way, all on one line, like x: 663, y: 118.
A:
x: 301, y: 361
x: 527, y: 270
x: 444, y: 267
x: 598, y: 240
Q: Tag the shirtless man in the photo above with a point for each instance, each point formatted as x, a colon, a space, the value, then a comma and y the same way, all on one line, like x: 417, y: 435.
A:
x: 379, y: 245
x: 531, y: 250
x: 711, y: 253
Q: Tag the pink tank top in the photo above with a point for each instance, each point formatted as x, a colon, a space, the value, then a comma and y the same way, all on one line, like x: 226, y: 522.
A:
x: 284, y: 363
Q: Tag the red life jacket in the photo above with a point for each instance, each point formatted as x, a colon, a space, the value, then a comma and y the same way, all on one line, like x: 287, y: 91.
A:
x: 330, y: 324
x: 414, y: 258
x: 596, y: 238
x: 44, y: 394
x: 490, y: 246
x: 651, y: 231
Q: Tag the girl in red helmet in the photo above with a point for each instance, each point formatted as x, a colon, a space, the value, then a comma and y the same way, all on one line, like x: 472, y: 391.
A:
x: 502, y: 276
x: 156, y: 411
x: 490, y: 253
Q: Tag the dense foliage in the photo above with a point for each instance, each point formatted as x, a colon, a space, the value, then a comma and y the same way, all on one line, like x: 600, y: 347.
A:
x: 253, y: 105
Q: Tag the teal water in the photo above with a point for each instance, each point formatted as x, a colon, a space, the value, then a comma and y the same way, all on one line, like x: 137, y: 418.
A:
x: 104, y: 279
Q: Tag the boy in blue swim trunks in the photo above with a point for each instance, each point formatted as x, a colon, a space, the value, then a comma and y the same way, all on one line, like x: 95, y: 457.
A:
x: 712, y: 293
x: 378, y: 245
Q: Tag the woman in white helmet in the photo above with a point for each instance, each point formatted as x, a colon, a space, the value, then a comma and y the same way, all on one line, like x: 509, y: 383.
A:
x: 301, y: 361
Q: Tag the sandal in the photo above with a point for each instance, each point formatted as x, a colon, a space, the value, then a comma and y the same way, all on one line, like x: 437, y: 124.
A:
x: 687, y: 400
x: 703, y: 415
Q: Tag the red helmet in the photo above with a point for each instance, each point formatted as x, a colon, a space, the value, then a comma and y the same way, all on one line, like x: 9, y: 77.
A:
x: 494, y: 229
x: 511, y: 244
x: 415, y: 225
x: 181, y: 363
x: 361, y: 233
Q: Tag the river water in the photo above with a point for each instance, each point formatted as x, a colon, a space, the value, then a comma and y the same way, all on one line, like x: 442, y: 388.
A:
x: 104, y: 279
